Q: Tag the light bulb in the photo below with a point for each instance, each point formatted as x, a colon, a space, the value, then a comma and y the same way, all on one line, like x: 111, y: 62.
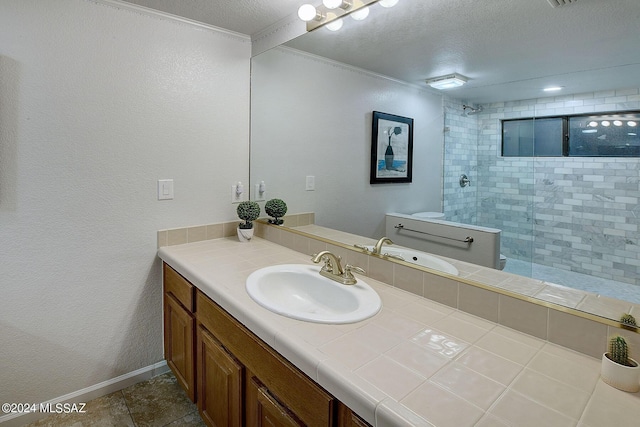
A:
x: 332, y: 4
x: 593, y: 124
x: 631, y: 123
x: 334, y: 25
x: 359, y: 15
x: 605, y: 123
x: 307, y: 12
x: 617, y: 123
x: 388, y: 3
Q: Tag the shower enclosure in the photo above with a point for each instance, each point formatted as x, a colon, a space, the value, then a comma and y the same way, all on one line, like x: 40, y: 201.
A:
x: 567, y: 220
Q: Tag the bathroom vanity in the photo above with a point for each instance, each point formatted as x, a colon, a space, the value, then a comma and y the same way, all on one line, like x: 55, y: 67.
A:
x: 234, y: 377
x: 415, y: 363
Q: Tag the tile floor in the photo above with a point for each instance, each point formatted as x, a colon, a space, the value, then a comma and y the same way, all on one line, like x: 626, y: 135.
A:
x: 157, y: 402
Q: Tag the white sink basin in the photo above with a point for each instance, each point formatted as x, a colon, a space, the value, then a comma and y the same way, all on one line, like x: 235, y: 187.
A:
x: 420, y: 258
x: 300, y: 292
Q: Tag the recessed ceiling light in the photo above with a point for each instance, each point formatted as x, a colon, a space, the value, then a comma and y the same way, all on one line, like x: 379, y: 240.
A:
x: 552, y: 88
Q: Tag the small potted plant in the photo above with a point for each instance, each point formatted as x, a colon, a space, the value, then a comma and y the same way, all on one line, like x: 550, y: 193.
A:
x: 628, y: 321
x: 618, y: 369
x: 276, y: 208
x: 248, y: 211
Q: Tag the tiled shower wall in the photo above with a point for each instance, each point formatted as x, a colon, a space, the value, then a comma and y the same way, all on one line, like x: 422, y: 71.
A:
x: 460, y: 157
x: 578, y: 214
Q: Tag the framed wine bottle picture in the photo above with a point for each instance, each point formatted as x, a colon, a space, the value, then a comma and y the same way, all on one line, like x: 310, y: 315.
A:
x: 391, y: 148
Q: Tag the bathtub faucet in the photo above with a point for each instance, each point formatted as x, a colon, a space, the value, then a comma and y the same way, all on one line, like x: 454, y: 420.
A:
x: 377, y: 249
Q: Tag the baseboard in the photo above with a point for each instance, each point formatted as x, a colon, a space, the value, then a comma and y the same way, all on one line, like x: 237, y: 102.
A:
x: 89, y: 393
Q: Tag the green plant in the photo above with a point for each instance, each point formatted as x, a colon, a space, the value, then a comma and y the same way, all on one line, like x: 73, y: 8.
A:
x: 628, y: 320
x: 248, y: 211
x: 619, y: 351
x: 275, y: 208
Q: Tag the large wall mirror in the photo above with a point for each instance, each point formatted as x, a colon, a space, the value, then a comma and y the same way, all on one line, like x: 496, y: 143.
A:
x: 311, y: 114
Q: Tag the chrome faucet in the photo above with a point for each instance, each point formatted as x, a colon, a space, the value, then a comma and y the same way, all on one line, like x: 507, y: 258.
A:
x: 332, y: 268
x: 377, y: 249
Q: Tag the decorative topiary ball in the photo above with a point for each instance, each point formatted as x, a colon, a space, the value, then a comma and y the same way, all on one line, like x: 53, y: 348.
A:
x: 248, y: 211
x: 276, y: 208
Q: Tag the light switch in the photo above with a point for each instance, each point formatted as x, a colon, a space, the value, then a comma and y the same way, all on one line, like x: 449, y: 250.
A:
x: 165, y: 189
x: 310, y: 184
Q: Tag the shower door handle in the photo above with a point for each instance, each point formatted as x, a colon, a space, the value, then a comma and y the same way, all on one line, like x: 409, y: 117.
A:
x: 464, y: 180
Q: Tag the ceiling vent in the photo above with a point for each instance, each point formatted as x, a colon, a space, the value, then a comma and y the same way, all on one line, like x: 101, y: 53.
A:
x: 557, y: 3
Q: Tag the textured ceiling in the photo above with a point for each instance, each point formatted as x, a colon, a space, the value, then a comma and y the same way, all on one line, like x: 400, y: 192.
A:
x: 508, y: 49
x: 242, y: 16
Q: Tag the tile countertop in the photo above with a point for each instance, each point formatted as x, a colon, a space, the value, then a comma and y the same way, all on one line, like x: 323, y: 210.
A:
x: 417, y: 362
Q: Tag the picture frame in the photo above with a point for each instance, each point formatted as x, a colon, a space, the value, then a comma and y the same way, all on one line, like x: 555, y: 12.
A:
x: 391, y: 148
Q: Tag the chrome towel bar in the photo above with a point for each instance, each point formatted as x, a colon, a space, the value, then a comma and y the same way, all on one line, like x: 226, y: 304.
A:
x: 468, y: 240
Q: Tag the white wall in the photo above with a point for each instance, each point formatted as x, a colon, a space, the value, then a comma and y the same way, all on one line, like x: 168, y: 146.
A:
x: 96, y: 104
x: 310, y: 116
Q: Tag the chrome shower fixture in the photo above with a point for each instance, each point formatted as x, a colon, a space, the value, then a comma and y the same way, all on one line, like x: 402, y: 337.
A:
x: 472, y: 110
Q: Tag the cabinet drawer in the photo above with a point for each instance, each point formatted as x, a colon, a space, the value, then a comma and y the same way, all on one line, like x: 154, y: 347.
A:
x: 179, y: 287
x: 302, y: 396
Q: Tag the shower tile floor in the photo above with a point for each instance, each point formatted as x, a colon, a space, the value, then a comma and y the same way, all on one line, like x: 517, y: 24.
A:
x: 584, y: 282
x: 155, y: 403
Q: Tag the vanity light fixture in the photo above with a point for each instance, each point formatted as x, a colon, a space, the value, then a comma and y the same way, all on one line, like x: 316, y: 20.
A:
x: 332, y: 11
x: 447, y: 82
x: 360, y: 14
x: 334, y: 25
x: 334, y: 4
x: 552, y: 88
x: 308, y: 12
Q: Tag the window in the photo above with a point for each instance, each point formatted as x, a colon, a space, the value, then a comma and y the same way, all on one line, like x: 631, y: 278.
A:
x: 614, y: 135
x: 532, y: 137
x: 597, y: 135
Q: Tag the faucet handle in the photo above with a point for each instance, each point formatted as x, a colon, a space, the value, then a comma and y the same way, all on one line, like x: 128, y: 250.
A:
x: 349, y: 268
x: 348, y: 277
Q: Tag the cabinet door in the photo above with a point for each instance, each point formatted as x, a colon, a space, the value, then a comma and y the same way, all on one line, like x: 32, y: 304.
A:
x: 178, y: 343
x: 219, y: 383
x: 263, y: 410
x: 348, y: 418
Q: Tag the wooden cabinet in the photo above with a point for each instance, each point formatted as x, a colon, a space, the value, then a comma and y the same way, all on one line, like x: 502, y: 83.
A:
x: 220, y: 378
x: 274, y: 389
x: 179, y: 332
x: 241, y: 381
x: 264, y: 410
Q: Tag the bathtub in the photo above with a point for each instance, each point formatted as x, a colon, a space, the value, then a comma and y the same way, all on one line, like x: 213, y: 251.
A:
x: 419, y: 258
x: 469, y: 243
